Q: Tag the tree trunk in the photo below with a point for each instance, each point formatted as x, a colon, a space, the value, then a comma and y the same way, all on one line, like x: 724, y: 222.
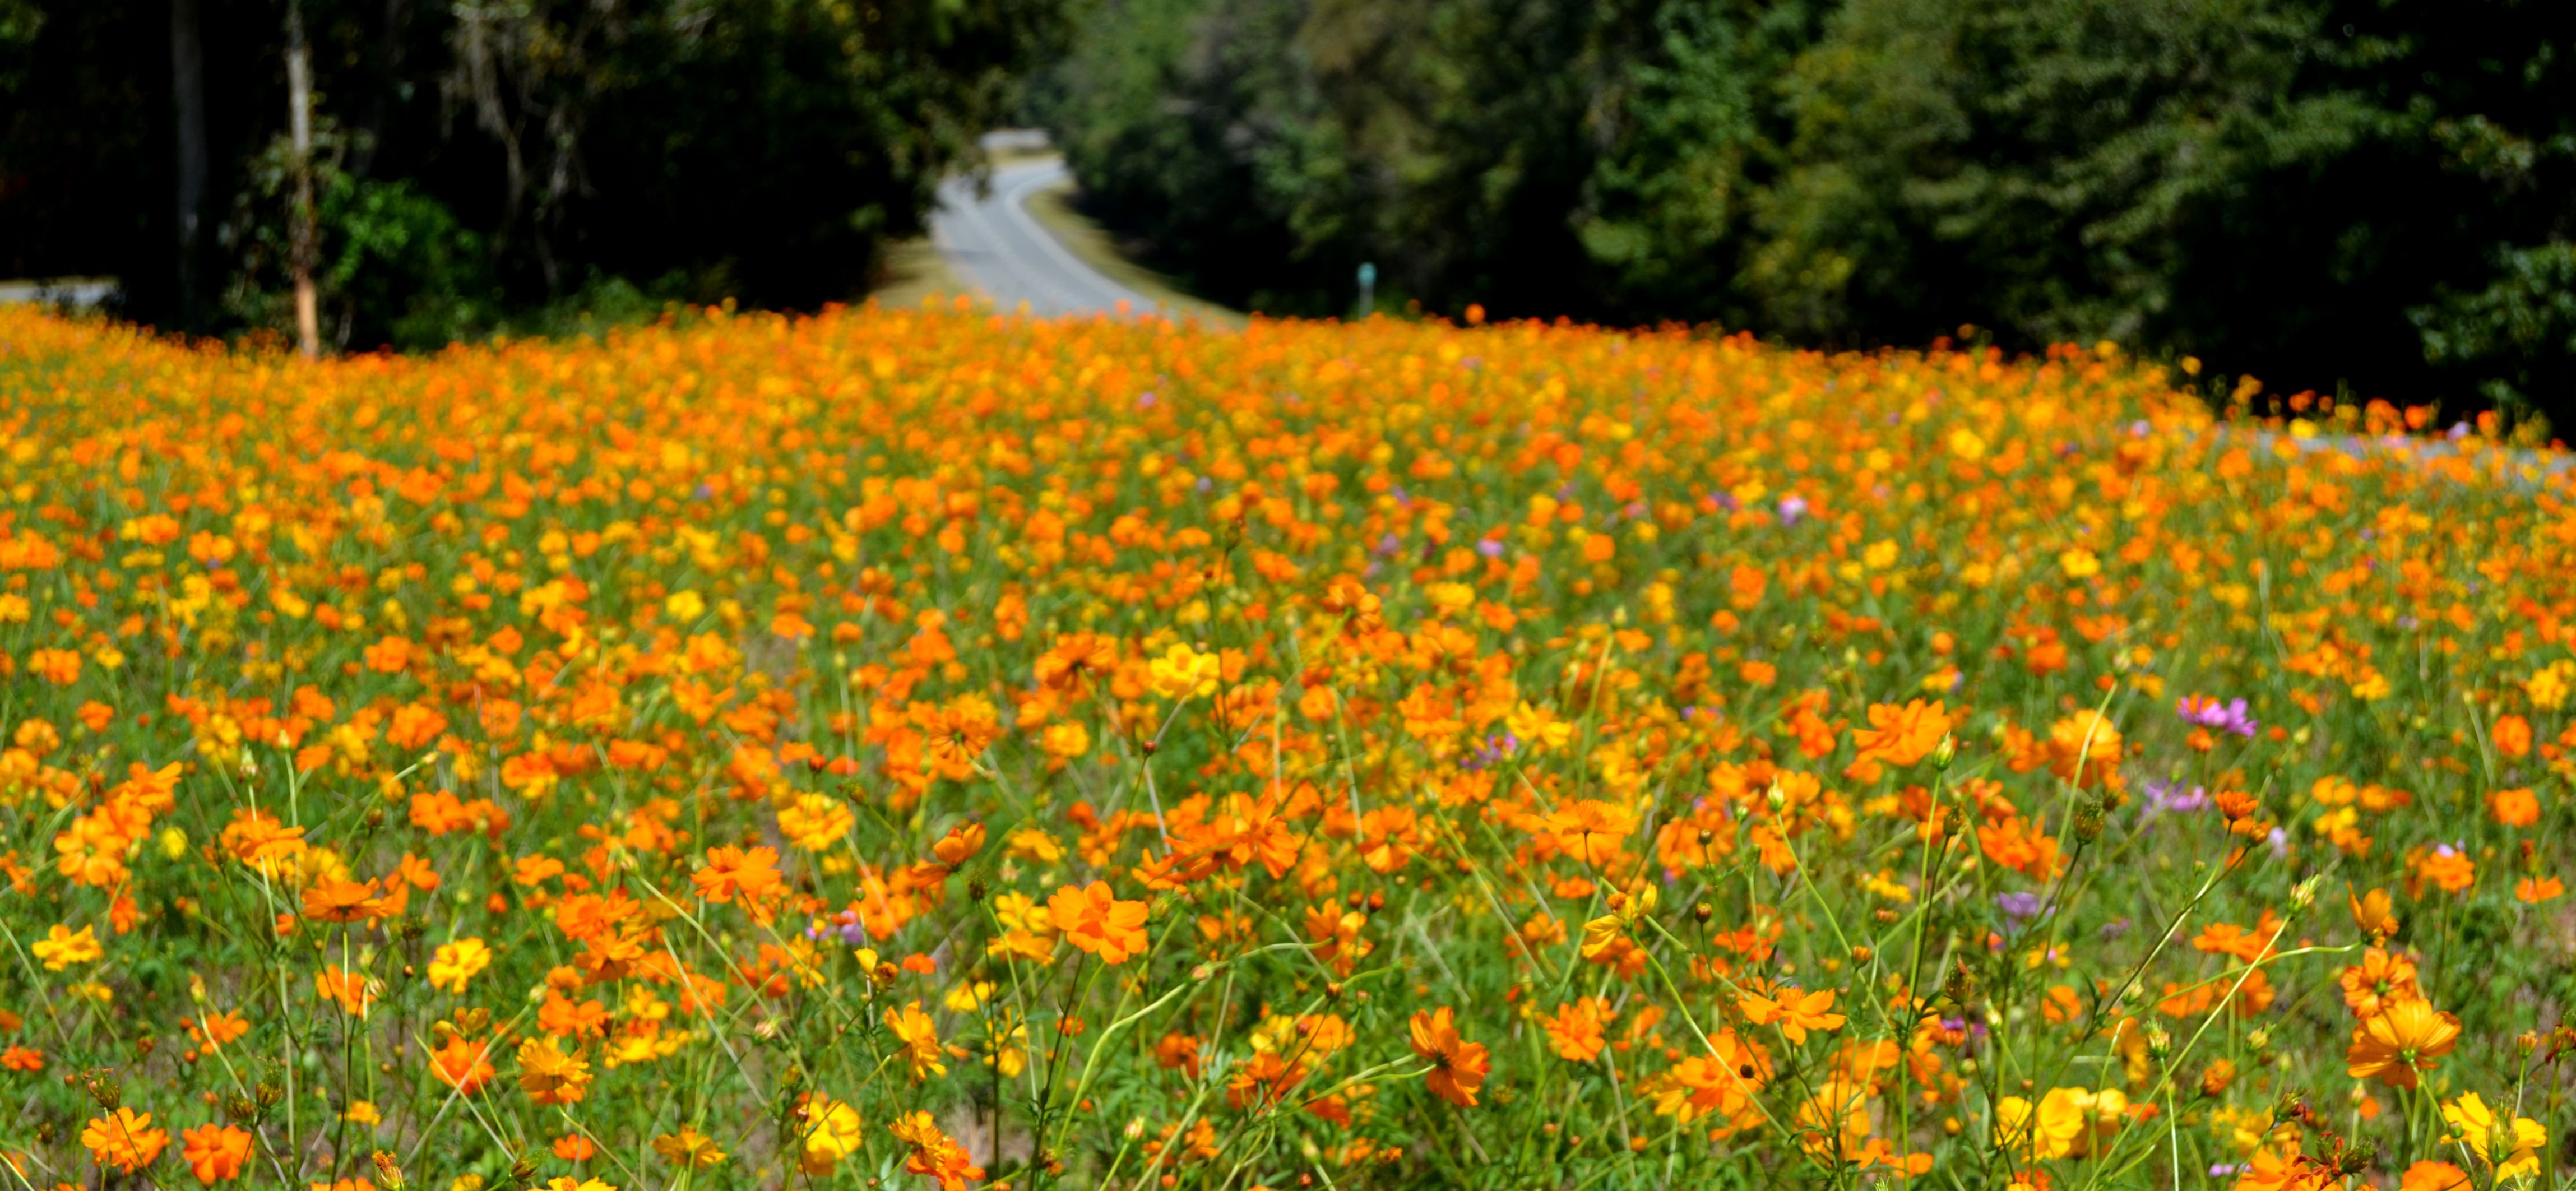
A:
x: 299, y: 117
x: 188, y: 94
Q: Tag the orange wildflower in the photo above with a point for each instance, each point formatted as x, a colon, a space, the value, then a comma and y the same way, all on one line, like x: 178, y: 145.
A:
x: 1458, y: 1067
x: 215, y: 1153
x: 1901, y: 736
x: 124, y: 1139
x: 2402, y: 1040
x: 464, y: 1066
x: 1795, y: 1012
x: 1574, y: 1030
x: 934, y: 1153
x: 1093, y: 919
x: 748, y: 873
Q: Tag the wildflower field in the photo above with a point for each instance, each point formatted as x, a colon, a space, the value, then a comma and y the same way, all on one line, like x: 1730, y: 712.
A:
x: 933, y: 748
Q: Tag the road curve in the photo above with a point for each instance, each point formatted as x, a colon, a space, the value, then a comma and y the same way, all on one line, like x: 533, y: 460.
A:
x: 993, y: 244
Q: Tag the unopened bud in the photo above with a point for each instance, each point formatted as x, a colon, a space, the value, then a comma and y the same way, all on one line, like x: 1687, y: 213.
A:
x: 1776, y: 797
x: 2304, y: 894
x: 1945, y: 752
x: 2159, y: 1043
x: 103, y: 1088
x: 388, y: 1175
x: 1961, y: 986
x: 2088, y: 819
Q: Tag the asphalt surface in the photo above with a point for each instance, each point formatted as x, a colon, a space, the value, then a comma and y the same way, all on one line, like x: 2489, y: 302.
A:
x: 993, y: 244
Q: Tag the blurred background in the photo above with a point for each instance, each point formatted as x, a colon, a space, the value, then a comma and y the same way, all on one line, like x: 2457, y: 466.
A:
x: 2373, y: 197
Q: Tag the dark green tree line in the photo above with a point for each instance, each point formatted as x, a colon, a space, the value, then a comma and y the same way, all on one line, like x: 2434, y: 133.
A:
x: 477, y: 159
x: 2370, y: 192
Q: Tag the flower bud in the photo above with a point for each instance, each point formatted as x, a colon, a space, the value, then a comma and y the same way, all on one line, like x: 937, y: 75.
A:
x: 1945, y: 752
x: 103, y: 1087
x: 2088, y: 819
x: 1960, y: 986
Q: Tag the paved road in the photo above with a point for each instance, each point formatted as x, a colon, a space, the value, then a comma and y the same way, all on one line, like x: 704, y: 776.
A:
x: 993, y: 244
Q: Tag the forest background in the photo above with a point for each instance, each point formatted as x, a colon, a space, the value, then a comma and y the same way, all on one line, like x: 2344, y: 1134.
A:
x: 2366, y: 196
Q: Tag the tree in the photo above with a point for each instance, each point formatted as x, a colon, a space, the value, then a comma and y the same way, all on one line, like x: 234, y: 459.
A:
x: 473, y: 160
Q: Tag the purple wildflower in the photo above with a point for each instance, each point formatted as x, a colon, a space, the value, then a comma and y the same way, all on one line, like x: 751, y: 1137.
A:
x: 2019, y: 906
x: 2207, y: 712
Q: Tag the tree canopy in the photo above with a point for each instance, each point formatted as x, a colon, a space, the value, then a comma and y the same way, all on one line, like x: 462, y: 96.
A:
x: 2374, y: 193
x: 476, y: 159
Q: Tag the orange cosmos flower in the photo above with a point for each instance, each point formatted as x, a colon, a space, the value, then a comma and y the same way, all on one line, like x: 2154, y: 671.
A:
x: 1458, y: 1067
x: 2446, y: 867
x: 2378, y: 981
x: 1075, y: 657
x: 216, y: 1029
x: 2514, y: 808
x: 1590, y: 830
x: 124, y: 1139
x: 1575, y: 1029
x: 959, y: 845
x: 341, y: 900
x: 349, y: 989
x: 1094, y: 920
x: 1796, y: 1013
x: 215, y: 1153
x: 2435, y: 1176
x: 2403, y: 1040
x: 2372, y: 913
x: 1904, y: 735
x: 959, y: 733
x: 751, y: 873
x: 2535, y: 890
x: 934, y: 1153
x: 1724, y: 1080
x: 462, y: 1065
x: 550, y: 1076
x: 2512, y: 735
x: 918, y: 1040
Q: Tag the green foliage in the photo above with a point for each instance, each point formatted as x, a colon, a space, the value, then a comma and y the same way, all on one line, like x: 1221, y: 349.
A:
x: 2315, y: 191
x: 480, y: 165
x: 395, y: 267
x: 2523, y: 326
